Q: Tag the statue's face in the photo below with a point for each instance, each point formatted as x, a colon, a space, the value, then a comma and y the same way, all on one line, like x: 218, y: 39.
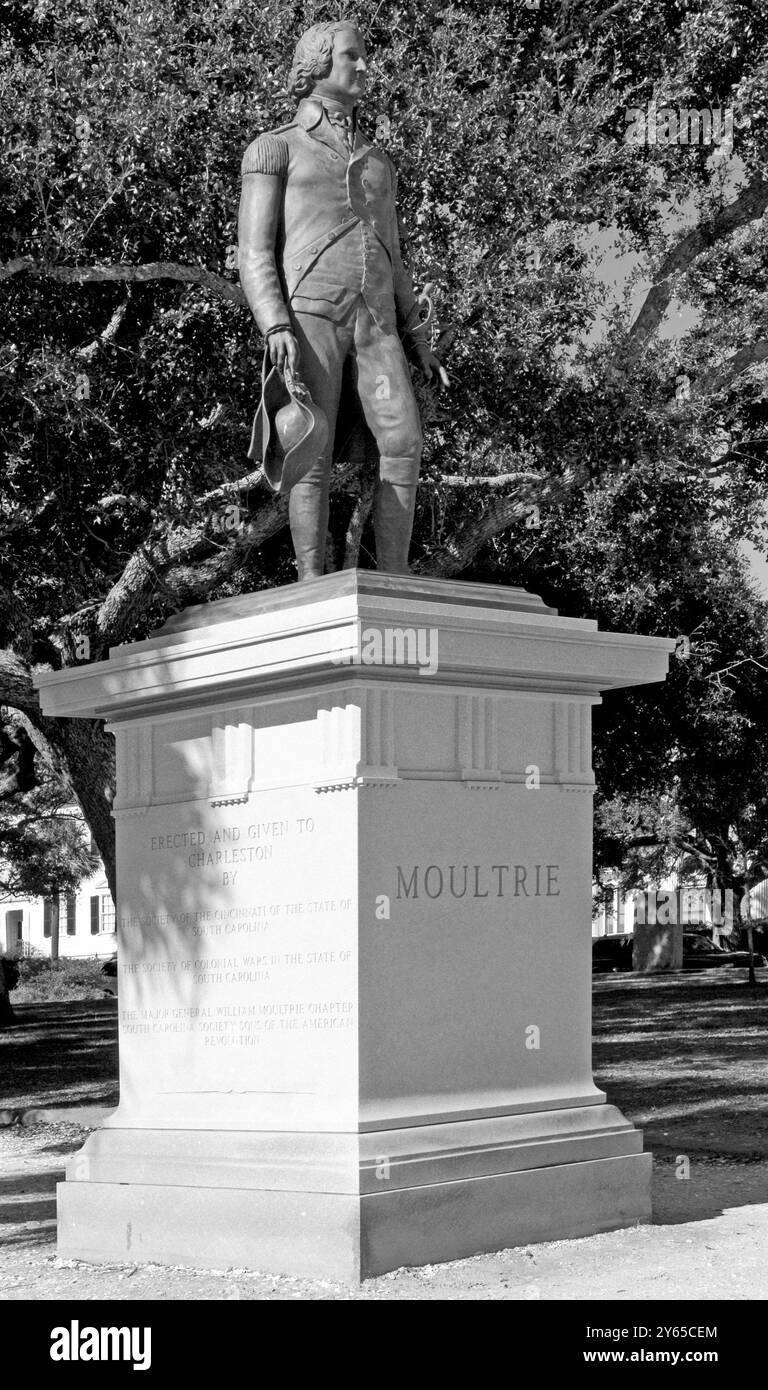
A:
x: 346, y: 80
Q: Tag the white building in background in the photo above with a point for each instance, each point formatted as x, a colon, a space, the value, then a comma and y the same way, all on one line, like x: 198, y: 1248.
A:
x: 86, y: 922
x: 669, y: 903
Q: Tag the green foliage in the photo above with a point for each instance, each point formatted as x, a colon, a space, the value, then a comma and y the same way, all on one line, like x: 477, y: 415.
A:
x: 123, y: 143
x: 122, y: 140
x: 33, y: 964
x: 44, y: 845
x: 45, y: 981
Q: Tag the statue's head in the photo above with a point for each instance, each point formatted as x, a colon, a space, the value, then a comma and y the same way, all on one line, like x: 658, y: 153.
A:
x: 330, y: 61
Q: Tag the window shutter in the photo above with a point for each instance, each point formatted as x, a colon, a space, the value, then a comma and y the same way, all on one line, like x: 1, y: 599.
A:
x: 47, y: 917
x: 94, y: 916
x: 71, y: 913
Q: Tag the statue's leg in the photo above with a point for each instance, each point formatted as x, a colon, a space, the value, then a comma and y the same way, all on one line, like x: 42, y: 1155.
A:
x: 323, y: 346
x: 392, y: 415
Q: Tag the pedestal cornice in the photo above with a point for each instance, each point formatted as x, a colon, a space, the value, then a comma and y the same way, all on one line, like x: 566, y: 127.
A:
x: 478, y: 636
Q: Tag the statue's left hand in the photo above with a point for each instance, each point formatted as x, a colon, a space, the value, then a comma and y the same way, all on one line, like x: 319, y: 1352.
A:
x: 431, y: 366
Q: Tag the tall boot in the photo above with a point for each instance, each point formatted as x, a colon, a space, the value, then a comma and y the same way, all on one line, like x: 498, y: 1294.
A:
x: 392, y: 524
x: 308, y: 515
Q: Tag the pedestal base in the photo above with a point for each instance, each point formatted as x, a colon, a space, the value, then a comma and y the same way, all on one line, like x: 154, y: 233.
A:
x: 354, y: 850
x: 347, y: 1207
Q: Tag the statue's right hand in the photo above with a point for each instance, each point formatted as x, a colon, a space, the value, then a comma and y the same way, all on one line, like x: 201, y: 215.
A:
x: 284, y: 351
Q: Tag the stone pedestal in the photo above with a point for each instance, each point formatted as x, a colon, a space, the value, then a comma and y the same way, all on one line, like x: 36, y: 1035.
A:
x: 354, y: 901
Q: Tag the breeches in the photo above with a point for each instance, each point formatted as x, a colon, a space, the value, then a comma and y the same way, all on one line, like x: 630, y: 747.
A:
x: 383, y: 385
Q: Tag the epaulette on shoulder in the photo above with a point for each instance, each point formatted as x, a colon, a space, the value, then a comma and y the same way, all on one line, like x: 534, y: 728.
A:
x: 267, y: 154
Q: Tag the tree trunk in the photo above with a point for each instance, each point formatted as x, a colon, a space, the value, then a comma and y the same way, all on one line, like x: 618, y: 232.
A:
x: 7, y: 1016
x: 736, y: 884
x: 751, y: 949
x: 55, y: 917
x: 718, y: 923
x: 750, y: 937
x: 88, y: 753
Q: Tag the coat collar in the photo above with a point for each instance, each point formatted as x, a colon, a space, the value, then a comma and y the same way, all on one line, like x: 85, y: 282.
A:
x: 309, y: 112
x: 309, y: 115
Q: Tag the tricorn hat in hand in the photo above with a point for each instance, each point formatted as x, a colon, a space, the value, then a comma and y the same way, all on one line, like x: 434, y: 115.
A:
x: 290, y: 432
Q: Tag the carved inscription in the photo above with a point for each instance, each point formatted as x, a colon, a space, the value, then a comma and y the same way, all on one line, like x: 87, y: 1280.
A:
x: 232, y: 968
x: 478, y: 880
x: 229, y: 847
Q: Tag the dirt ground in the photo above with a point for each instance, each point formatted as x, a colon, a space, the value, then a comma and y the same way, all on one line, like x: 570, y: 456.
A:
x: 684, y: 1056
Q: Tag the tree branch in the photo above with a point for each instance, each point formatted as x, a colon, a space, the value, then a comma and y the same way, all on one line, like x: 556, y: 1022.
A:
x: 733, y: 367
x: 106, y: 336
x: 747, y: 207
x: 681, y: 843
x: 587, y: 29
x: 131, y: 274
x: 16, y: 686
x: 496, y: 480
x: 153, y: 566
x: 461, y: 549
x: 360, y: 514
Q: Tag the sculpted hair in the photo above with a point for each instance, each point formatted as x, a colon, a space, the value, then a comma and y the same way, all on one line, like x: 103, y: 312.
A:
x: 313, y: 58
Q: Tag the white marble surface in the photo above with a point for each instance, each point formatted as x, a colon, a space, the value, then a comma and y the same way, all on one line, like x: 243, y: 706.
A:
x: 354, y: 888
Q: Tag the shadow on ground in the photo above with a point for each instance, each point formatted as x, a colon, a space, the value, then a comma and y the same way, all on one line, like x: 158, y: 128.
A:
x: 60, y: 1054
x: 685, y: 1058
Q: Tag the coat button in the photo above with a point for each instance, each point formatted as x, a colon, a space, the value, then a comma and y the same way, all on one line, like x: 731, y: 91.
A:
x: 334, y: 156
x: 297, y: 265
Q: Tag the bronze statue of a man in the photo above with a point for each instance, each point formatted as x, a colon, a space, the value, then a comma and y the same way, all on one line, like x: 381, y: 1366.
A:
x: 321, y: 268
